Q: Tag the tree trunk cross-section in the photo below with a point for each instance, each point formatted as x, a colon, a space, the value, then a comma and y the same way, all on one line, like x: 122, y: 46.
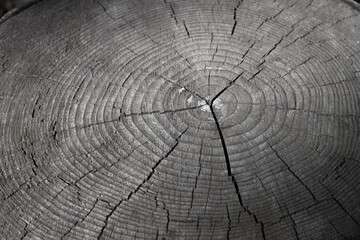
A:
x: 179, y: 119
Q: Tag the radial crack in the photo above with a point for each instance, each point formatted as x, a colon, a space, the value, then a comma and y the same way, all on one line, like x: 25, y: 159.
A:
x: 163, y: 111
x: 26, y: 232
x: 196, y: 182
x: 167, y: 216
x: 140, y: 33
x: 292, y: 172
x: 306, y: 34
x: 298, y: 211
x: 283, y: 37
x: 221, y: 138
x: 234, y: 17
x: 233, y: 180
x: 294, y: 227
x: 81, y: 220
x: 270, y: 18
x: 186, y: 29
x: 255, y: 74
x: 173, y: 15
x: 124, y: 115
x: 341, y: 206
x: 104, y: 9
x: 247, y: 51
x: 222, y: 91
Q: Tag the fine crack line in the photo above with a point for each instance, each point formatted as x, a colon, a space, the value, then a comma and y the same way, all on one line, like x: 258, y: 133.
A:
x: 196, y: 182
x: 192, y: 92
x: 308, y: 86
x: 27, y: 184
x: 229, y: 223
x: 340, y: 205
x: 124, y: 115
x: 298, y: 211
x: 104, y: 9
x: 337, y: 231
x: 306, y: 34
x: 292, y: 220
x: 294, y: 227
x: 298, y: 109
x: 208, y: 192
x: 143, y: 182
x: 347, y: 213
x: 292, y: 172
x: 162, y: 111
x: 167, y: 217
x: 140, y: 33
x: 81, y: 220
x: 39, y: 77
x: 296, y: 67
x: 336, y: 170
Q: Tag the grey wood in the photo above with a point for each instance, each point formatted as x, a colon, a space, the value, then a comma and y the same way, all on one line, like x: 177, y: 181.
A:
x: 180, y: 120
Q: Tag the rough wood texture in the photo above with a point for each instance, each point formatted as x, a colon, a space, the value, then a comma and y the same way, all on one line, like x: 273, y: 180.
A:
x: 180, y: 120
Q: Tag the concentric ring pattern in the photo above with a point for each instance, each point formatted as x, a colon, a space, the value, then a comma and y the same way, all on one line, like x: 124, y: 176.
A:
x: 180, y: 120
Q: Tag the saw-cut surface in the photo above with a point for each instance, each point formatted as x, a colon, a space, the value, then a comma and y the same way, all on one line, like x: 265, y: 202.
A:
x: 180, y: 120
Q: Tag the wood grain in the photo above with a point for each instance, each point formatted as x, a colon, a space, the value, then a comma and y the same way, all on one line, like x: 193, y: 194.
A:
x: 180, y: 120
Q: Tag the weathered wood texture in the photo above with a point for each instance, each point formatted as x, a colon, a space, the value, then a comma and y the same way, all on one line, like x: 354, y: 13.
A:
x: 180, y: 120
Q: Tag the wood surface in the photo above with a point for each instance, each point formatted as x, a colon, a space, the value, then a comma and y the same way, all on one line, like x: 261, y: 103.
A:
x: 169, y: 119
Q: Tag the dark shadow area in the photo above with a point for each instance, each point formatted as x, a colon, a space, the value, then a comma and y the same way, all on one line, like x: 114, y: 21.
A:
x: 8, y: 5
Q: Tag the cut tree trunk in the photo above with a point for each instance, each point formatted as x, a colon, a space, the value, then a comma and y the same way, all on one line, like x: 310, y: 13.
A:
x: 180, y: 120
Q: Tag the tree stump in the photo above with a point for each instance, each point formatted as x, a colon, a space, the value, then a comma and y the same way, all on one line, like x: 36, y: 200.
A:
x: 180, y: 120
